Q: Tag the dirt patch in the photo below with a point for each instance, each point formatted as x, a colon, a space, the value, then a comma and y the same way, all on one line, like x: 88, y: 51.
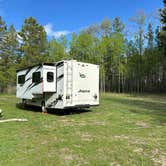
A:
x: 115, y: 164
x: 77, y: 146
x: 81, y: 123
x: 44, y: 142
x: 86, y: 137
x: 138, y: 141
x: 121, y: 137
x: 138, y: 150
x: 98, y: 123
x: 67, y: 122
x: 68, y: 156
x: 131, y: 140
x: 70, y: 122
x: 158, y: 157
x: 142, y: 124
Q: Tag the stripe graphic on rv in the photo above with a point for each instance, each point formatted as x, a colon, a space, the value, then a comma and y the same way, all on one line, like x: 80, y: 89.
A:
x: 37, y: 68
x: 60, y: 77
x: 27, y: 88
x: 32, y: 85
x: 60, y: 64
x: 28, y: 71
x: 35, y: 84
x: 28, y: 79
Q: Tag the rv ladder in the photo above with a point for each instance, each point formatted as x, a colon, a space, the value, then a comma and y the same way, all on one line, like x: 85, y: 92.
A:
x: 69, y: 82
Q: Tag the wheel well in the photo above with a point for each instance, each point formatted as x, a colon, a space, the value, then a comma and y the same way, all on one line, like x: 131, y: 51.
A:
x: 43, y: 103
x: 24, y: 101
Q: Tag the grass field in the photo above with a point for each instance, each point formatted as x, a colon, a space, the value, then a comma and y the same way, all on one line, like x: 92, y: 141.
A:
x: 124, y: 130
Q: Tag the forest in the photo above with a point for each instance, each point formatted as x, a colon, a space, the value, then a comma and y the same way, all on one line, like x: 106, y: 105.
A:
x: 128, y: 63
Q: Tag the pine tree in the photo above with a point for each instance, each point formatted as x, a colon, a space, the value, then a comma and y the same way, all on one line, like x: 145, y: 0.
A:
x: 163, y: 32
x: 13, y: 55
x: 3, y: 35
x: 34, y: 42
x: 8, y: 55
x: 150, y: 36
x: 149, y: 63
x: 163, y: 42
x: 118, y: 26
x: 139, y: 19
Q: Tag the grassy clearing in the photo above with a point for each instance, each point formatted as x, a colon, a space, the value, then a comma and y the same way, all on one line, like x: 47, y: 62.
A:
x: 124, y: 130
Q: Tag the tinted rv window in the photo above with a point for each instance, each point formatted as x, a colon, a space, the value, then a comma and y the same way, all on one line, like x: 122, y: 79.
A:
x: 50, y: 76
x: 21, y: 79
x: 36, y: 77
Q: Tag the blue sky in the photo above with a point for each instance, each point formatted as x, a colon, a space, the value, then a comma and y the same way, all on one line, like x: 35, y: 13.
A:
x: 66, y: 16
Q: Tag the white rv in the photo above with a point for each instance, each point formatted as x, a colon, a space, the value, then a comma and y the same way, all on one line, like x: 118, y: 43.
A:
x: 61, y: 85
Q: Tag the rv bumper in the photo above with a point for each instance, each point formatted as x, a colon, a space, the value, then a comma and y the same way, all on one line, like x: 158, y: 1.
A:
x: 81, y: 106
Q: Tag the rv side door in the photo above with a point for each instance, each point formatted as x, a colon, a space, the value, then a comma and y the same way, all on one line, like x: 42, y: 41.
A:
x: 49, y: 79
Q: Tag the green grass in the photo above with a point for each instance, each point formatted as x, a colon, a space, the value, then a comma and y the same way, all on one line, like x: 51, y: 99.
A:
x: 124, y: 130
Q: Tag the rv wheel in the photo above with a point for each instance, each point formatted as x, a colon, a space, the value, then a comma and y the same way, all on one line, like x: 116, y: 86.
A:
x: 44, y: 110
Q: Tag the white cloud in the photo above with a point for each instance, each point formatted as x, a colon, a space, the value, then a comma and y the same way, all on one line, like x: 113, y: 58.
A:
x: 50, y: 32
x: 48, y: 28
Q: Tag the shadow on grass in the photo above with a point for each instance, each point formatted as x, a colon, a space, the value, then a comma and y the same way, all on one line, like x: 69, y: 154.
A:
x: 156, y: 110
x: 58, y: 112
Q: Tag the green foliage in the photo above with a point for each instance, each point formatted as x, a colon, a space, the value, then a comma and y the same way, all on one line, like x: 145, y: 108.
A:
x: 57, y: 50
x: 118, y: 26
x: 163, y: 32
x: 106, y: 28
x: 3, y: 32
x: 150, y: 36
x: 8, y: 55
x: 82, y: 47
x: 33, y: 46
x: 162, y: 42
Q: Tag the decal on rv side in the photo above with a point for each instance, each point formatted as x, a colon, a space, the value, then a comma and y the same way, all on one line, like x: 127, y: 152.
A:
x: 32, y: 85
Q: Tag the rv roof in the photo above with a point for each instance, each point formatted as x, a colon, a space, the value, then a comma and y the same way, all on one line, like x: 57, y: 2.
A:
x: 40, y: 64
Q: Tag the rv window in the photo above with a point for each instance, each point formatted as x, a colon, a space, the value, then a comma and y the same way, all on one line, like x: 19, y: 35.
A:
x: 36, y: 77
x: 21, y: 79
x: 50, y: 76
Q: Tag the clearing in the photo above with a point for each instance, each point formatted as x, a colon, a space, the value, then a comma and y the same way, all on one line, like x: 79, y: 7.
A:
x: 124, y: 130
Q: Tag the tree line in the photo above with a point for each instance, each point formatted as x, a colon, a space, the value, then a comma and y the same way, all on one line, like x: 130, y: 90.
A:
x: 128, y: 63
